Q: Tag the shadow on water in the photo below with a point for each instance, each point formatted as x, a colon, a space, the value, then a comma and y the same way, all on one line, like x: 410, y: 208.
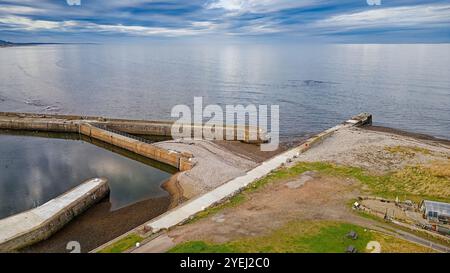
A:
x: 52, y: 163
x: 99, y: 143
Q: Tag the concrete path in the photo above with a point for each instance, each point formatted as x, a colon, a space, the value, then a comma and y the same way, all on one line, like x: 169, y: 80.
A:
x: 419, y: 240
x: 160, y: 244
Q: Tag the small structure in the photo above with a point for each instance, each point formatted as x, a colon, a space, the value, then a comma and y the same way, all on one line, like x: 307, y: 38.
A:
x: 433, y: 211
x: 352, y: 235
x: 351, y: 249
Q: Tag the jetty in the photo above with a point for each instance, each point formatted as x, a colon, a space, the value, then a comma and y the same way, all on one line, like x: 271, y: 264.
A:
x: 38, y: 224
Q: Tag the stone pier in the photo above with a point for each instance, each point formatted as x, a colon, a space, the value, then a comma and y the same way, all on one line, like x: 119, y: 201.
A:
x: 38, y: 224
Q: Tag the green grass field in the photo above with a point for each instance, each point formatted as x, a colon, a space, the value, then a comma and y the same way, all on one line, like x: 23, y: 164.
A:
x: 415, y: 182
x: 304, y: 237
x: 412, y: 182
x: 123, y: 244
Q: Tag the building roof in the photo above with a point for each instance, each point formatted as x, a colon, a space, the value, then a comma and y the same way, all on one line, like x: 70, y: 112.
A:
x: 440, y: 207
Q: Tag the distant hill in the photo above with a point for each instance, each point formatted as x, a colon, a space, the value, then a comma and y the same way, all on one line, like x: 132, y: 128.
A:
x: 8, y: 44
x: 5, y: 43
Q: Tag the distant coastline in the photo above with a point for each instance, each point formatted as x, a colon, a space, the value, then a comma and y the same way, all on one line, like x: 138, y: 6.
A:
x: 5, y: 44
x: 11, y: 44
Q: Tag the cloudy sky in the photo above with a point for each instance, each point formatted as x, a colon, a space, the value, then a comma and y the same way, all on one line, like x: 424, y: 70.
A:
x: 209, y: 20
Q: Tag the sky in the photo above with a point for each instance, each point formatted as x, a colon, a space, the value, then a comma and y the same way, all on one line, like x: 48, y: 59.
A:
x: 340, y: 21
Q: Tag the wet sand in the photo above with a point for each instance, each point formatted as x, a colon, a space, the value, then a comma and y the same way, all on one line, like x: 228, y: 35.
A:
x: 99, y: 225
x: 253, y: 151
x: 175, y: 190
x: 408, y: 134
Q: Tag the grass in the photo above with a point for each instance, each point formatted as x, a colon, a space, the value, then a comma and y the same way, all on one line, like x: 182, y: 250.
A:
x: 427, y: 182
x: 303, y: 237
x: 414, y: 182
x: 123, y: 244
x: 232, y: 202
x: 440, y: 169
x: 391, y: 244
x: 407, y: 151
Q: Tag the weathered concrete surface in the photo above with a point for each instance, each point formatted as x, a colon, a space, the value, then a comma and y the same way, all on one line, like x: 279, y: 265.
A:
x: 40, y: 223
x: 148, y: 150
x: 184, y: 212
x: 68, y: 123
x: 85, y: 126
x: 214, y: 165
x: 110, y: 131
x: 37, y: 124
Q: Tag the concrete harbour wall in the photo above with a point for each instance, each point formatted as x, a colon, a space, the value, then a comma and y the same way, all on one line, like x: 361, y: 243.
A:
x: 172, y: 158
x: 90, y: 126
x: 38, y: 224
x: 110, y: 131
x: 69, y: 123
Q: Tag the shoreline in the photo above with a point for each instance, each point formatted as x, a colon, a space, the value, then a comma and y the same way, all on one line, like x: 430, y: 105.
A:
x: 418, y: 136
x: 176, y: 190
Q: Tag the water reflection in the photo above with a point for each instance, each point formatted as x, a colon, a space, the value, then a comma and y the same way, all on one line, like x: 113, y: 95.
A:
x: 35, y: 169
x: 404, y: 86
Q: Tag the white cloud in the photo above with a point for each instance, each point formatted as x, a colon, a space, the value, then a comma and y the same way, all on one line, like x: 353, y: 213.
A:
x: 141, y: 30
x: 19, y: 10
x: 389, y: 17
x: 226, y: 14
x: 258, y: 6
x: 73, y: 2
x: 24, y: 23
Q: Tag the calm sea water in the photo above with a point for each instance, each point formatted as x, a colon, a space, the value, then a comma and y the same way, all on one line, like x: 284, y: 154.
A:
x: 34, y: 169
x: 404, y: 86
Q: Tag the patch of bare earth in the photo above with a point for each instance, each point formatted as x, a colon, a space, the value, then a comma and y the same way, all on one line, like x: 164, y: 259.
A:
x: 310, y: 196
